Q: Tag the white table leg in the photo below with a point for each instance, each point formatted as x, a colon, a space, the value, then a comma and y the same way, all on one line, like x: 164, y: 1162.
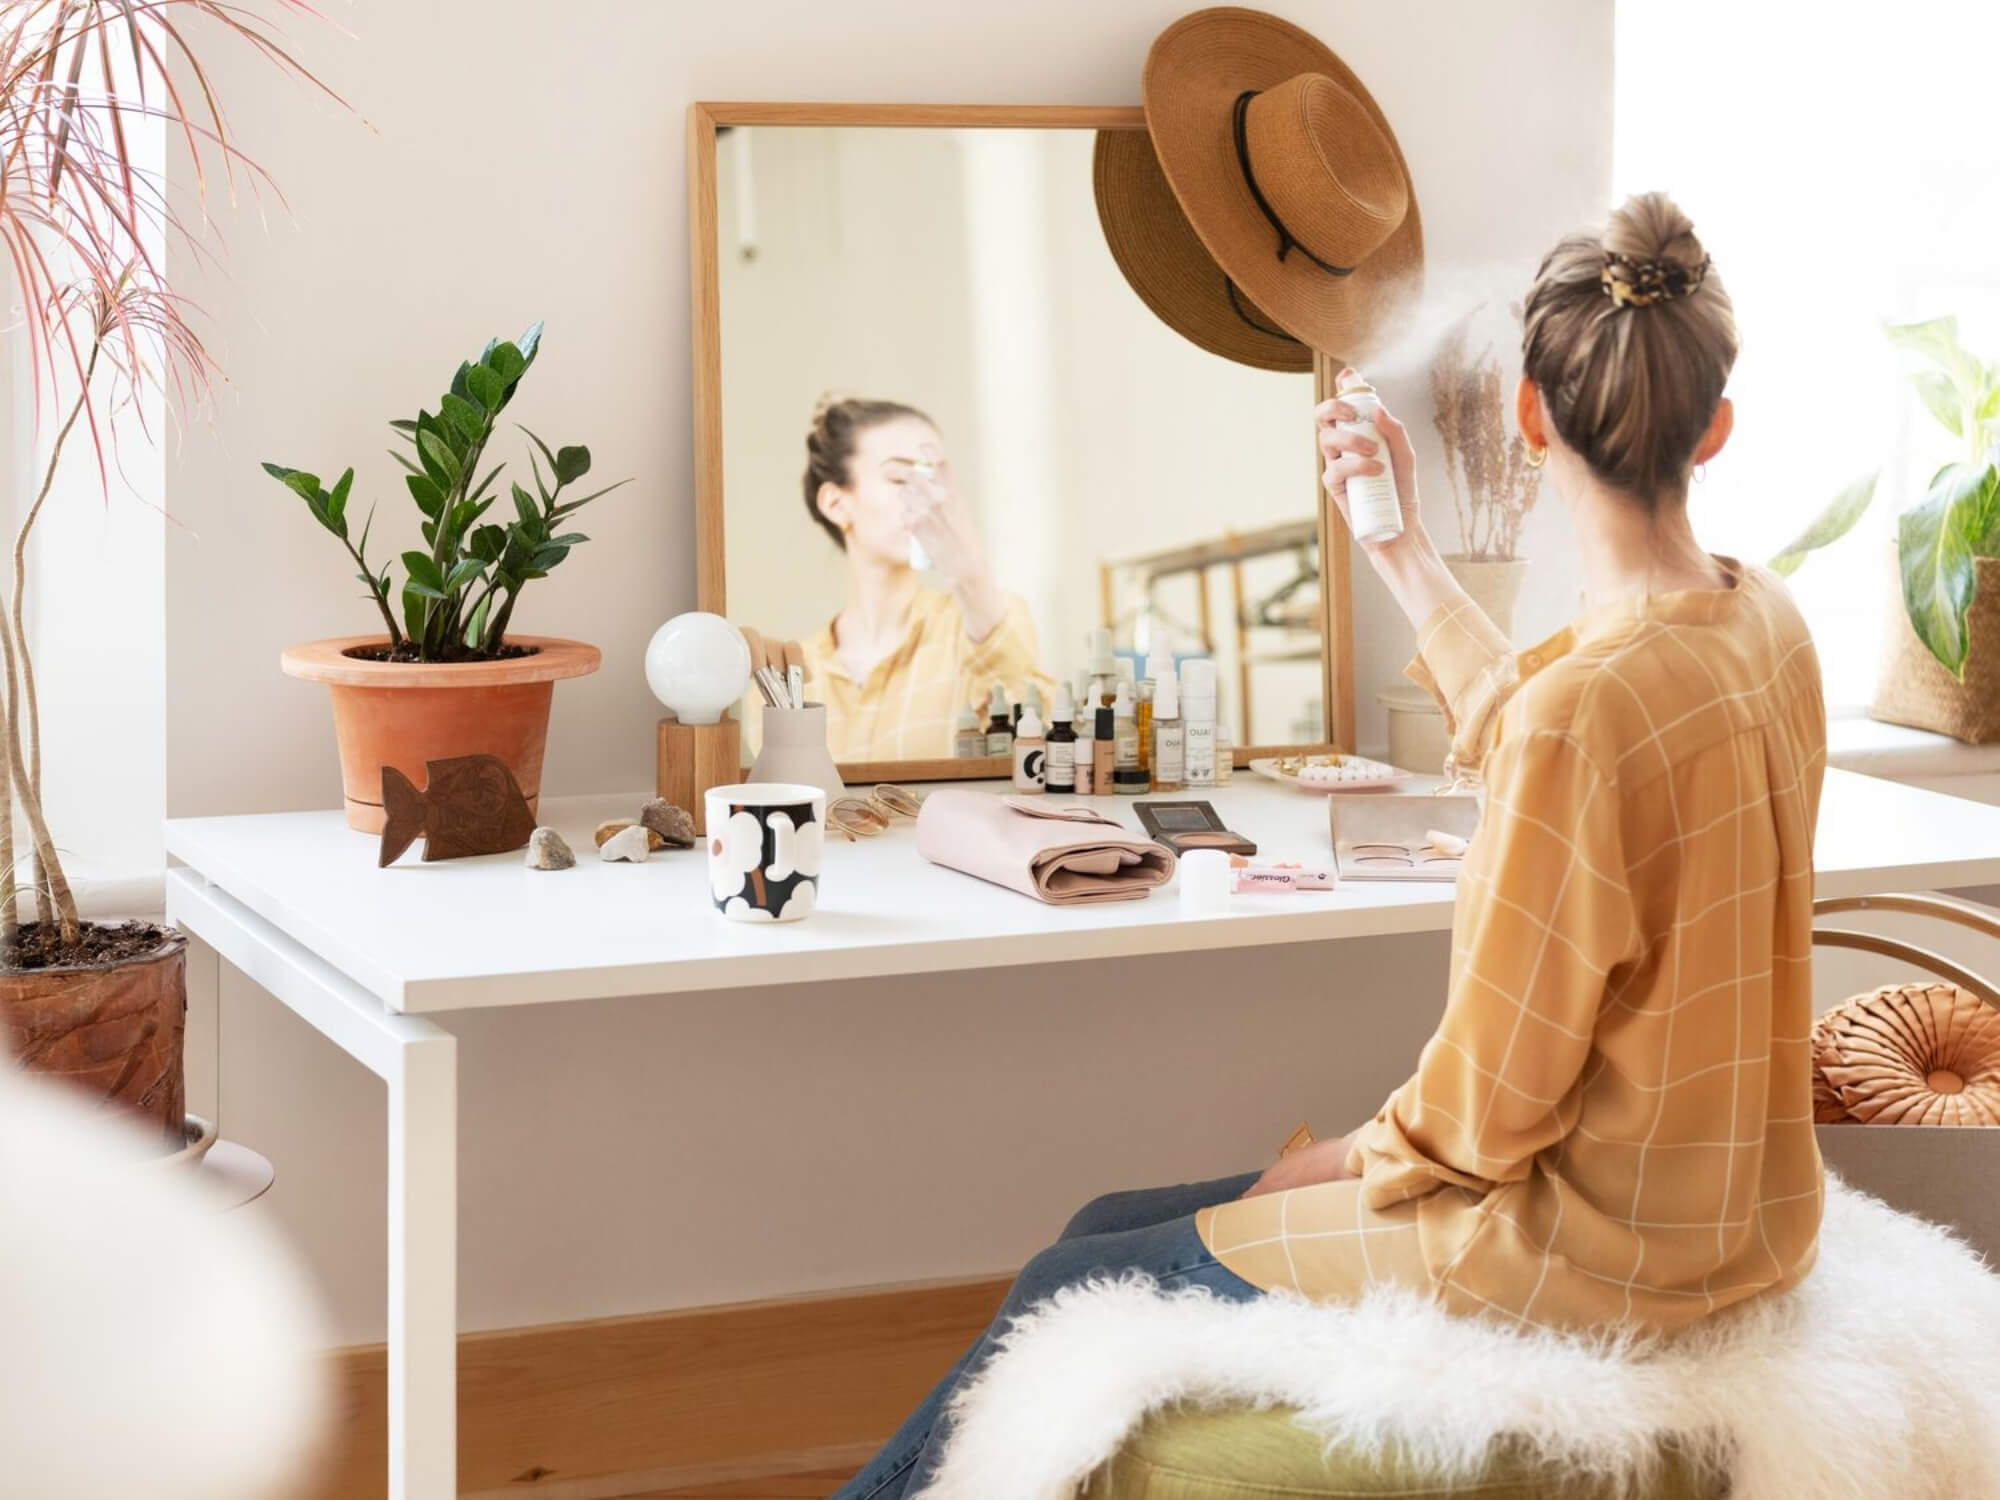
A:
x: 419, y: 1063
x: 423, y: 1271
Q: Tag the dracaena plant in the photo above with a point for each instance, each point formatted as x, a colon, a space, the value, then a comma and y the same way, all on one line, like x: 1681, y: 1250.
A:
x: 84, y: 229
x: 1958, y: 521
x: 459, y: 590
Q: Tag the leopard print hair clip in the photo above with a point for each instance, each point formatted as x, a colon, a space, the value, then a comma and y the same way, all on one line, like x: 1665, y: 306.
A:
x: 1630, y: 282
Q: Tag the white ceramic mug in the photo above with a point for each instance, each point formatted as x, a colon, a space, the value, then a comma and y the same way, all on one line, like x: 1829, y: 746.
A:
x: 765, y: 839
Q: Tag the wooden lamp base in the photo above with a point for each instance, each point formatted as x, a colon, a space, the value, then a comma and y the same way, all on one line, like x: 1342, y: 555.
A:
x: 694, y: 757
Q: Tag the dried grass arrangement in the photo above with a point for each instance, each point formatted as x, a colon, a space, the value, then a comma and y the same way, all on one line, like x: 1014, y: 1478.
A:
x: 1493, y: 486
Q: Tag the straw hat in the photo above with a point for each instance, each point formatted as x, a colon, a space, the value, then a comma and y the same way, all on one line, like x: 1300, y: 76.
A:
x: 1169, y: 267
x: 1291, y: 179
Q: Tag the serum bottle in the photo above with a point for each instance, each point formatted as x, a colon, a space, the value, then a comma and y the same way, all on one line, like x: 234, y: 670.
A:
x: 1030, y: 753
x: 1169, y: 735
x: 1126, y: 777
x: 1373, y: 509
x: 1198, y: 719
x: 1086, y: 741
x: 1000, y: 727
x: 1059, y: 768
x: 1225, y: 744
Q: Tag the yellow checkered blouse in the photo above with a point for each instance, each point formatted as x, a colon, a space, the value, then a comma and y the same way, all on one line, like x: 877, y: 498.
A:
x: 1613, y: 1121
x: 908, y: 707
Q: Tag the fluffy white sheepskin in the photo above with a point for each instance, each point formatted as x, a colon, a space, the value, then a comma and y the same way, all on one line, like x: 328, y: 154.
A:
x: 1878, y: 1375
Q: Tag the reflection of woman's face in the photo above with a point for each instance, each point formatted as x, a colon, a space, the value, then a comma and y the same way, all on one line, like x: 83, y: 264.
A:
x: 869, y: 507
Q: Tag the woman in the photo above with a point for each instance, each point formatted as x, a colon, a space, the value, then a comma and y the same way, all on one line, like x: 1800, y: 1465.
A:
x: 901, y: 660
x: 1612, y: 1127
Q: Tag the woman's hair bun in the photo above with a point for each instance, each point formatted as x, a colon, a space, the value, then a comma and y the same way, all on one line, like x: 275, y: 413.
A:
x: 1652, y: 227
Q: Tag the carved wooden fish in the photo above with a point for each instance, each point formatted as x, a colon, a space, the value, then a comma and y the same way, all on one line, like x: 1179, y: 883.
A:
x: 470, y: 804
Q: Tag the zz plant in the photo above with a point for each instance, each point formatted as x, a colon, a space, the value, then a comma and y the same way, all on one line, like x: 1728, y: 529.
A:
x: 459, y: 591
x: 1939, y: 539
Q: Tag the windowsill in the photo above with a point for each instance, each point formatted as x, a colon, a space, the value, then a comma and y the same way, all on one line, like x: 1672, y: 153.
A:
x: 1855, y: 742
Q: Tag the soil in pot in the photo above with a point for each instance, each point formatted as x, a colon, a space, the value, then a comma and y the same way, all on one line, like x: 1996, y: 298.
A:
x: 106, y: 1015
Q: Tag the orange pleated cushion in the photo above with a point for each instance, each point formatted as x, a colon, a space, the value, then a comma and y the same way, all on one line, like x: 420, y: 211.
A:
x: 1908, y: 1054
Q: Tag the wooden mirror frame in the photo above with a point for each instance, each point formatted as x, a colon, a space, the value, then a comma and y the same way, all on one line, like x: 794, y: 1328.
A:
x: 1336, y: 594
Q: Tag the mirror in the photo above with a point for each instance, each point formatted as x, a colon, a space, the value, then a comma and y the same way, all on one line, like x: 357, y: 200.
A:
x: 943, y: 441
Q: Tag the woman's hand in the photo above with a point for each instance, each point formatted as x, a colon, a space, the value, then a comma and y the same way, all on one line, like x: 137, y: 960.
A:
x: 1346, y: 453
x: 941, y: 523
x: 1322, y: 1161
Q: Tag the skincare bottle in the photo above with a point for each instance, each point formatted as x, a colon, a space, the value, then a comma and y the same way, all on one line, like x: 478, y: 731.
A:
x: 1103, y: 662
x: 1104, y: 753
x: 1059, y: 769
x: 1169, y: 734
x: 970, y: 743
x: 1126, y: 777
x: 1030, y: 753
x: 1198, y: 719
x: 1086, y: 738
x: 1159, y: 662
x: 1225, y: 744
x: 1000, y: 727
x: 1373, y: 510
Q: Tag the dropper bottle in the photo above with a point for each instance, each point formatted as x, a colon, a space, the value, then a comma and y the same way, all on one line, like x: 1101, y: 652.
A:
x: 1086, y: 738
x: 1000, y: 726
x: 1169, y: 734
x: 1059, y: 764
x: 1126, y: 777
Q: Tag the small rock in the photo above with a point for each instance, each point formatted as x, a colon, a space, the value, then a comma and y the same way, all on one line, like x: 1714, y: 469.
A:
x: 631, y: 844
x: 673, y: 825
x: 547, y: 851
x: 612, y: 828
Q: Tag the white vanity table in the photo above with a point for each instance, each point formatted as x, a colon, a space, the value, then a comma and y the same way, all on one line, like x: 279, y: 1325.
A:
x: 295, y: 901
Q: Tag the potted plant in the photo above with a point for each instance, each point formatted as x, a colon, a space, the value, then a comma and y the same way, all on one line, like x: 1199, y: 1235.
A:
x: 1942, y: 667
x: 446, y: 678
x: 83, y: 226
x: 1493, y: 486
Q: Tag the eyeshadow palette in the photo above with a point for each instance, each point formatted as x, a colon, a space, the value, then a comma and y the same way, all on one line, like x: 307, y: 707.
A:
x: 1401, y: 836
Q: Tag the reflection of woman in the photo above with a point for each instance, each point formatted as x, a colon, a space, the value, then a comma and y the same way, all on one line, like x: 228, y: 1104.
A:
x: 900, y: 661
x: 1611, y: 1129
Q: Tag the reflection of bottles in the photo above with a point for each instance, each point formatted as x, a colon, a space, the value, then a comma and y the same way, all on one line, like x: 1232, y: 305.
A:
x: 1086, y: 740
x: 1000, y: 727
x: 1030, y: 754
x: 1126, y: 777
x: 970, y: 743
x: 1059, y: 769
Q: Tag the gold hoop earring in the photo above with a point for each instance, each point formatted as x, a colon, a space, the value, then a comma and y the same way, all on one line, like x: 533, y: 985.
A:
x: 1537, y: 457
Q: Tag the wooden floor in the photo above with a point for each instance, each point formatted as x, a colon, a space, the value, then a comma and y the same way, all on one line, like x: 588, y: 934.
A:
x: 790, y: 1487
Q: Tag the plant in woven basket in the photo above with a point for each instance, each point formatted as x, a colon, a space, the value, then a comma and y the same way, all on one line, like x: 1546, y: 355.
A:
x: 1493, y: 486
x: 85, y: 85
x: 459, y: 592
x: 1941, y: 537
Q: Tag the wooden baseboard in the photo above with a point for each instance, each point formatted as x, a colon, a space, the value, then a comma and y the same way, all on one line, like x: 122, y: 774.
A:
x: 623, y: 1406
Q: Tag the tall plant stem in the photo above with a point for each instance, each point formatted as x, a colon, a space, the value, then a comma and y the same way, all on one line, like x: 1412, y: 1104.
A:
x: 46, y: 876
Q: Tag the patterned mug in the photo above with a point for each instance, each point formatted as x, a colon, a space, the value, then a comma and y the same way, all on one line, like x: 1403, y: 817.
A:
x: 764, y: 844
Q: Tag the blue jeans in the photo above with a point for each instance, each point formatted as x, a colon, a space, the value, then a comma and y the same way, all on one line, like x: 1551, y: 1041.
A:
x: 1151, y: 1231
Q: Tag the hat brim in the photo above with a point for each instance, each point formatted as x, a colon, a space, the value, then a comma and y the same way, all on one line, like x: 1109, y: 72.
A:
x: 1197, y: 69
x: 1166, y: 264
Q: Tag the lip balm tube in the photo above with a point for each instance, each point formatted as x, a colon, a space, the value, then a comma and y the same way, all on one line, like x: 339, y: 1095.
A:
x: 1246, y: 878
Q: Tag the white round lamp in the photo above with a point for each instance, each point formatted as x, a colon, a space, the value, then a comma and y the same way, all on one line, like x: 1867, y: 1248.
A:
x: 697, y: 665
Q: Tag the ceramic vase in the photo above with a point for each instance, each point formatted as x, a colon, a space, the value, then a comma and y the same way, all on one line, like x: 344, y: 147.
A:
x: 794, y: 749
x: 1493, y: 582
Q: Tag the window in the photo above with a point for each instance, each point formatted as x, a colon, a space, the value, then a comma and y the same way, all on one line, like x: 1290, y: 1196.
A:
x: 1841, y: 164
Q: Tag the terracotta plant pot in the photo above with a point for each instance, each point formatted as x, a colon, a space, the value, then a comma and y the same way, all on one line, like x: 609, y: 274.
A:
x: 404, y: 714
x: 114, y: 1031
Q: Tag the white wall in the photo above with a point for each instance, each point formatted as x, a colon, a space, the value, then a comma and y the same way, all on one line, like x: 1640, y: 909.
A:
x: 515, y: 165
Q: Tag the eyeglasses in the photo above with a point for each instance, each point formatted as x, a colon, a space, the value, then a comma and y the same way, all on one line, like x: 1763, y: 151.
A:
x: 873, y: 815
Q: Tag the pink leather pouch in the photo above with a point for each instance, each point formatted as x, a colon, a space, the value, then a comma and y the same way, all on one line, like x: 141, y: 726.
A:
x: 1063, y: 853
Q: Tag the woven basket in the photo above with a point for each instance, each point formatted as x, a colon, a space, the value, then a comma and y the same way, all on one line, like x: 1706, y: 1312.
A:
x: 1916, y: 690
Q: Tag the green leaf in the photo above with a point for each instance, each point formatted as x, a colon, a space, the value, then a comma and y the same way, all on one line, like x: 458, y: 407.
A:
x: 463, y: 415
x: 487, y: 543
x: 573, y: 539
x: 571, y: 464
x: 486, y: 387
x: 1829, y: 526
x: 1935, y: 547
x: 416, y: 612
x: 486, y: 483
x: 438, y: 452
x: 336, y: 503
x: 430, y: 532
x: 425, y: 491
x: 547, y: 452
x: 530, y: 342
x: 1937, y: 341
x: 524, y: 505
x: 424, y: 573
x: 300, y: 483
x: 570, y: 506
x: 547, y: 557
x: 405, y: 426
x: 506, y: 361
x: 478, y: 626
x: 404, y: 461
x: 467, y: 570
x: 1941, y: 399
x: 459, y: 387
